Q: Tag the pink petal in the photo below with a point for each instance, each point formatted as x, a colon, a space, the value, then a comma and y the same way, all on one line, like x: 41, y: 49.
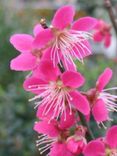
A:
x: 104, y: 79
x: 100, y: 111
x: 111, y: 136
x: 37, y: 29
x: 22, y: 42
x: 84, y: 24
x: 70, y: 120
x: 107, y: 40
x: 98, y: 37
x: 80, y: 102
x: 63, y: 17
x: 75, y: 146
x: 72, y: 79
x: 60, y: 149
x: 43, y: 38
x: 100, y: 24
x: 46, y: 128
x: 31, y: 84
x: 23, y: 62
x: 47, y: 70
x: 72, y: 145
x: 94, y: 148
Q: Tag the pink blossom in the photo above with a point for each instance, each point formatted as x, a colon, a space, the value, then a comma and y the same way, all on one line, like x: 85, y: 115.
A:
x: 57, y: 138
x: 29, y: 57
x: 53, y: 135
x: 58, y: 91
x: 103, y: 33
x: 106, y: 146
x: 66, y: 40
x: 100, y: 99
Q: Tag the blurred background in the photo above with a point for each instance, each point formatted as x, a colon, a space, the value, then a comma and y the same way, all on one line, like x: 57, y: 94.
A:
x: 17, y: 115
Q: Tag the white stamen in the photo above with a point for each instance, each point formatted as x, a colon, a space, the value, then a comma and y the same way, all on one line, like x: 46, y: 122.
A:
x: 52, y: 97
x: 109, y: 99
x: 44, y: 143
x: 68, y: 41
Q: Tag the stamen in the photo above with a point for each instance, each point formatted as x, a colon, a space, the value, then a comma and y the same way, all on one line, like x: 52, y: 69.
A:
x: 109, y: 99
x: 67, y: 42
x: 52, y: 97
x: 44, y: 143
x: 102, y: 124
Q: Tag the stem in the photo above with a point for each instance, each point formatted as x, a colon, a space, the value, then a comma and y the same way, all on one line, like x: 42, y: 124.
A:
x: 109, y: 8
x: 90, y: 135
x: 61, y: 67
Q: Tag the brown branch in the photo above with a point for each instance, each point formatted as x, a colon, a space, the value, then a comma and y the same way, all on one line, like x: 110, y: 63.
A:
x: 113, y: 18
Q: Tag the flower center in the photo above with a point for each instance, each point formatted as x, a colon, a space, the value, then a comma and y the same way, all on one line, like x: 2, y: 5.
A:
x: 111, y: 152
x: 37, y: 53
x: 53, y: 96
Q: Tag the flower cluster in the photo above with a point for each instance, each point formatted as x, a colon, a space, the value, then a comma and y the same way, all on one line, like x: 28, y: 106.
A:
x: 49, y: 56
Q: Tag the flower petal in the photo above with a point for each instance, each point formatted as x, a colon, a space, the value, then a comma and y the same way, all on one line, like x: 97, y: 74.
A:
x: 31, y: 84
x: 111, y: 136
x: 22, y: 42
x: 75, y: 146
x: 47, y: 71
x: 107, y: 40
x: 37, y: 29
x: 80, y: 102
x: 84, y: 24
x: 46, y: 128
x: 43, y: 38
x: 63, y: 17
x: 100, y: 111
x: 23, y: 62
x: 70, y: 120
x: 94, y: 148
x: 72, y: 79
x: 60, y: 149
x: 98, y: 37
x: 104, y: 79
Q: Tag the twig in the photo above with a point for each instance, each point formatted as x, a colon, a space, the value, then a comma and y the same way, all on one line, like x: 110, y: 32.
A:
x: 113, y: 18
x: 90, y: 135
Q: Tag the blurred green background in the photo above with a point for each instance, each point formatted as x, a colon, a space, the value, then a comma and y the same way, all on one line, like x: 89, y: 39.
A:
x: 17, y: 115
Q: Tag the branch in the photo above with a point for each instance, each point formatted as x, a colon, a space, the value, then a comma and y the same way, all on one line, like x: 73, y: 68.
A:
x: 90, y: 135
x: 109, y: 8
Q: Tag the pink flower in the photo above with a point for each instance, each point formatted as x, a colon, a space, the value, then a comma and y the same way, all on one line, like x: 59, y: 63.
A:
x: 56, y: 137
x: 53, y: 137
x: 102, y: 101
x: 102, y: 33
x: 66, y: 40
x: 58, y: 91
x: 29, y: 57
x: 108, y: 146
